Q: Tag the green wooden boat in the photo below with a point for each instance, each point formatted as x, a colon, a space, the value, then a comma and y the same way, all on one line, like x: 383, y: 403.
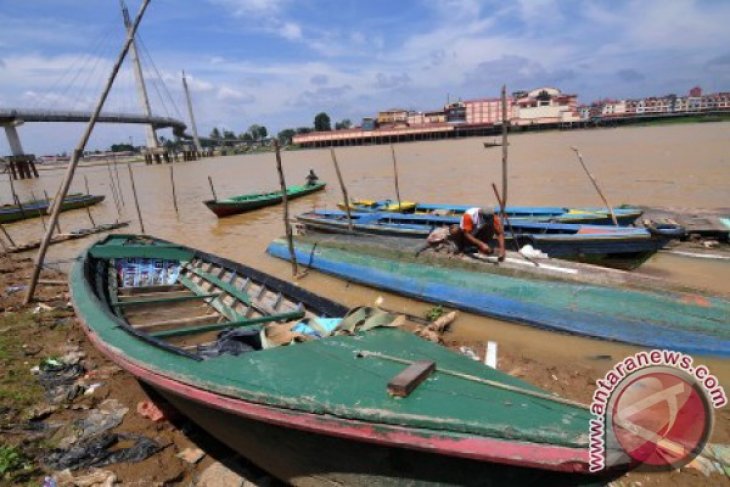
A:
x: 35, y: 208
x: 248, y: 202
x: 316, y: 412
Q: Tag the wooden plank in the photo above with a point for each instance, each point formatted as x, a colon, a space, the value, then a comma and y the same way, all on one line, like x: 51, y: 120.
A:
x: 177, y: 322
x: 223, y: 285
x: 128, y: 291
x: 166, y: 300
x: 171, y: 294
x: 231, y: 324
x: 404, y: 383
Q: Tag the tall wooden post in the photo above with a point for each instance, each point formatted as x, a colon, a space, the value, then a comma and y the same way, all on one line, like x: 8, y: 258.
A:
x: 395, y: 173
x: 287, y: 224
x: 172, y: 183
x: 595, y: 185
x: 343, y: 188
x: 505, y: 122
x: 77, y: 155
x: 136, y: 201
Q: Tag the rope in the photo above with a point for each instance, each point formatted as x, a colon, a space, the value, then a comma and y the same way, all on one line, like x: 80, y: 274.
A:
x: 473, y: 378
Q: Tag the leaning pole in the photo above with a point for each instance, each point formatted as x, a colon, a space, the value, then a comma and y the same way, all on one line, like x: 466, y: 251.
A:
x: 68, y: 177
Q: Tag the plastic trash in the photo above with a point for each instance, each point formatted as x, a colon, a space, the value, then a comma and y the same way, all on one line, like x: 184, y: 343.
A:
x: 232, y: 342
x: 102, y: 450
x: 532, y: 253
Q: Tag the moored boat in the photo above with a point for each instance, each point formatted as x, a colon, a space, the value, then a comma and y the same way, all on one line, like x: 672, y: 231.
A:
x: 557, y: 214
x: 546, y: 293
x: 248, y: 202
x: 35, y: 208
x: 620, y: 247
x: 193, y: 327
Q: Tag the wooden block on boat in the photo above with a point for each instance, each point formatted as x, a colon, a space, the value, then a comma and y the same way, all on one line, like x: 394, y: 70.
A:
x: 404, y: 383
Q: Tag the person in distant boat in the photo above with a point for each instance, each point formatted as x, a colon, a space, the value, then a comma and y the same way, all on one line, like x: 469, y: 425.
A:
x: 312, y: 178
x: 477, y: 227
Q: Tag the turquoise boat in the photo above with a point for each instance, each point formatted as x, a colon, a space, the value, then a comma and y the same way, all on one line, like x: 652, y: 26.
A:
x: 625, y: 215
x: 36, y: 208
x: 550, y: 294
x: 249, y: 202
x: 322, y: 410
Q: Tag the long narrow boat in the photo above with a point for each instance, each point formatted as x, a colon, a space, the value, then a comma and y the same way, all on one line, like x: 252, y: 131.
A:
x: 591, y: 216
x: 248, y: 202
x: 316, y: 412
x: 620, y: 247
x: 35, y: 208
x: 551, y: 294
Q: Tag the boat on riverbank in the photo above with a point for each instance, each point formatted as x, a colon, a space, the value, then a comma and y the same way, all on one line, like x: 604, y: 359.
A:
x: 592, y: 216
x: 248, y: 202
x: 620, y: 247
x: 551, y: 294
x: 190, y: 325
x: 36, y: 208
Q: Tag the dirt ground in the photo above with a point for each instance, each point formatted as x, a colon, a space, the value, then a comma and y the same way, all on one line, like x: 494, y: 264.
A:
x: 47, y: 328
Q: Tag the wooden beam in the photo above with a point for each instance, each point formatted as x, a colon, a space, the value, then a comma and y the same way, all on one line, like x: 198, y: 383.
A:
x: 124, y: 291
x: 404, y: 383
x: 195, y: 320
x: 294, y: 315
x: 166, y: 300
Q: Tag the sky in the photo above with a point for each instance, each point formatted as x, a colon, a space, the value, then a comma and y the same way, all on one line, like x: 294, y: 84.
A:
x: 278, y: 63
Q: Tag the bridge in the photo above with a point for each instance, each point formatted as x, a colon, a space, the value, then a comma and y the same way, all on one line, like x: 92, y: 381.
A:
x: 11, y: 118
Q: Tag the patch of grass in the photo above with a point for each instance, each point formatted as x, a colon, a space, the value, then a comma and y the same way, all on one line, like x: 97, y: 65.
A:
x: 19, y: 389
x: 435, y: 313
x: 12, y: 461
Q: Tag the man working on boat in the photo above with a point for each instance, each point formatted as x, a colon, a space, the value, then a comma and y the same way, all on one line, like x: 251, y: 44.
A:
x: 312, y: 178
x: 477, y: 227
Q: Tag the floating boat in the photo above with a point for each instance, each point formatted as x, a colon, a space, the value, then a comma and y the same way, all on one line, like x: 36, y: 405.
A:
x: 620, y: 247
x: 316, y: 412
x: 592, y: 216
x: 546, y: 293
x: 35, y: 208
x: 248, y: 202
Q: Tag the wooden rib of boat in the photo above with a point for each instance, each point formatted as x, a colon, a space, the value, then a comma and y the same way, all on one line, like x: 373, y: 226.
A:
x: 619, y: 247
x: 316, y: 412
x: 36, y: 208
x: 551, y: 294
x: 591, y: 216
x: 248, y: 202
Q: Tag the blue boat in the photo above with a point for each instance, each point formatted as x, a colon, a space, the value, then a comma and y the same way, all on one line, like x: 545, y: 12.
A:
x: 620, y: 247
x: 591, y: 215
x: 554, y: 295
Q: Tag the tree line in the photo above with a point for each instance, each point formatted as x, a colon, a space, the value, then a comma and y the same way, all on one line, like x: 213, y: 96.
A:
x: 322, y: 123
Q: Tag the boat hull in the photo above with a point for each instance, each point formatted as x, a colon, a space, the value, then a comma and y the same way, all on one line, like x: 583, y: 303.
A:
x: 229, y: 207
x: 681, y: 321
x: 33, y: 210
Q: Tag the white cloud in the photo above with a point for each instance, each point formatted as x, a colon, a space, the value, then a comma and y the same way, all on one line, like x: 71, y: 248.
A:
x: 291, y: 31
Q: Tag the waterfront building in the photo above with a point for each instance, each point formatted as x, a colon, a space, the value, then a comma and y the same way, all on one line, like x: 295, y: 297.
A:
x: 545, y: 106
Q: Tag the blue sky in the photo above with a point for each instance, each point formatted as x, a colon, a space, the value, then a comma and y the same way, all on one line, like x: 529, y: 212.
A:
x: 279, y: 62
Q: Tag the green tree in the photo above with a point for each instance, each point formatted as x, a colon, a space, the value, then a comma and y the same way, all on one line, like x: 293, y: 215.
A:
x: 322, y: 122
x: 304, y: 130
x: 263, y: 132
x: 120, y: 148
x: 343, y: 124
x: 254, y: 131
x: 215, y: 134
x: 285, y: 136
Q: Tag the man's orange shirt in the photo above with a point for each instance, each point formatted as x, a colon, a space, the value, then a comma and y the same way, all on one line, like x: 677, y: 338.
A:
x: 468, y: 224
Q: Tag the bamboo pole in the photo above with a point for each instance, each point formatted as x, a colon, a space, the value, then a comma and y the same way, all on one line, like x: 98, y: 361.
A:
x: 505, y: 122
x: 172, y: 183
x: 7, y: 235
x: 343, y: 188
x: 63, y: 190
x: 114, y: 189
x: 212, y: 188
x: 16, y: 199
x: 40, y: 211
x: 88, y: 208
x: 595, y: 185
x: 119, y: 184
x: 287, y: 224
x: 48, y: 203
x: 395, y: 172
x: 136, y: 201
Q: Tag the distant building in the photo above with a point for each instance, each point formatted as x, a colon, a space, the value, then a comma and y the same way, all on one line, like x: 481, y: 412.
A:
x: 393, y: 116
x: 545, y: 106
x: 695, y: 92
x: 485, y: 110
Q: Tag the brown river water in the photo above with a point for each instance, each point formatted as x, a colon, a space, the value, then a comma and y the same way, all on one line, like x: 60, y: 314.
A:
x: 677, y: 165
